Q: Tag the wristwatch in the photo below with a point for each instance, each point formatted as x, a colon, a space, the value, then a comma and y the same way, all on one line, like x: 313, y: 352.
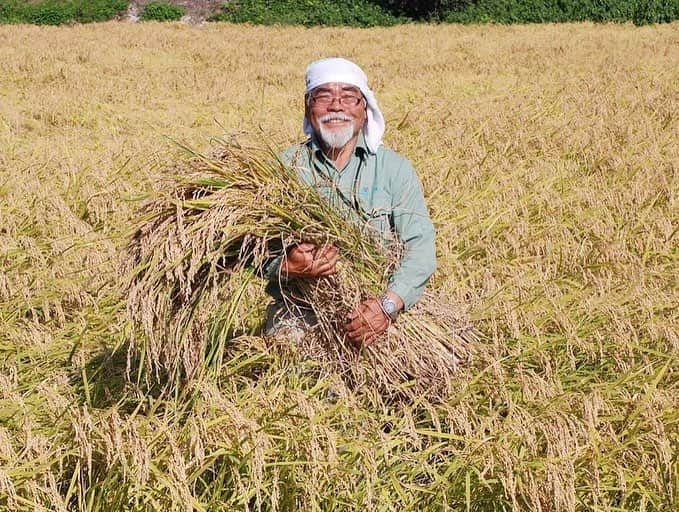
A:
x: 389, y: 307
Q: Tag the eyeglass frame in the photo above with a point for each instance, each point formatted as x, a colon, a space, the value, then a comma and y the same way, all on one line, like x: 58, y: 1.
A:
x: 312, y: 100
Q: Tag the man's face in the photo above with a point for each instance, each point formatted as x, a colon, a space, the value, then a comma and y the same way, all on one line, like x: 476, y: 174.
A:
x: 337, y: 112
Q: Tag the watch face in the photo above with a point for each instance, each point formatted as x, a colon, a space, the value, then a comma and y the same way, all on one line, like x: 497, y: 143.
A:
x: 389, y: 306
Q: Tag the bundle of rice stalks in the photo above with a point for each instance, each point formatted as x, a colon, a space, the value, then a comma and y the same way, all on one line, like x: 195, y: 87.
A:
x: 225, y: 215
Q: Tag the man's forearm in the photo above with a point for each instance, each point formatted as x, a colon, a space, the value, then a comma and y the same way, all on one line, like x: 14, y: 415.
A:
x: 417, y: 265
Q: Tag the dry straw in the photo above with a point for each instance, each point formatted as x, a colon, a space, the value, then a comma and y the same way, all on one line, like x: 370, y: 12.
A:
x: 232, y: 211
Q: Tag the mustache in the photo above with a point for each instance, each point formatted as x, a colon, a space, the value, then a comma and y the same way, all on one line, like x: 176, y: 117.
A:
x: 336, y: 116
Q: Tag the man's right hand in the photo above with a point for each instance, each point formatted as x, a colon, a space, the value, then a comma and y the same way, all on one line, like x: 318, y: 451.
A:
x: 310, y: 260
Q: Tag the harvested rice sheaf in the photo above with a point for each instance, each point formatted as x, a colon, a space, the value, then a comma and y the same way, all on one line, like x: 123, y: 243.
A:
x: 227, y: 214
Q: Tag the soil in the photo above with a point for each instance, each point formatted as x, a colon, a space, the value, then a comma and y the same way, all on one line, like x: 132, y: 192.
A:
x: 197, y: 11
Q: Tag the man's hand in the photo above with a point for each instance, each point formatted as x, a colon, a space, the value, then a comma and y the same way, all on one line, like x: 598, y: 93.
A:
x: 309, y: 260
x: 366, y: 323
x: 369, y: 320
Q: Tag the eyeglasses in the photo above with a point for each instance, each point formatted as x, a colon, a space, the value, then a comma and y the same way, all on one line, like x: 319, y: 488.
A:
x: 346, y: 100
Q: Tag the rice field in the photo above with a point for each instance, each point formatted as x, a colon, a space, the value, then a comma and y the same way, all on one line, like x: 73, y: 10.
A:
x: 549, y: 157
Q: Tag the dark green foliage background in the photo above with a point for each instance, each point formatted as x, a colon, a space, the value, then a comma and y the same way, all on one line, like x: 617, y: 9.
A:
x: 58, y: 12
x: 641, y: 12
x: 162, y: 11
x: 357, y: 13
x: 431, y: 10
x: 366, y: 13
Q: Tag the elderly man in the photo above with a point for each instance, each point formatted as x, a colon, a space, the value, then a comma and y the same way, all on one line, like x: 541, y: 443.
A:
x: 345, y: 160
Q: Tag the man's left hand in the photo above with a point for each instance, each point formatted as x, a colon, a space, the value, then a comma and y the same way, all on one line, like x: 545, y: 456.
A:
x: 367, y: 322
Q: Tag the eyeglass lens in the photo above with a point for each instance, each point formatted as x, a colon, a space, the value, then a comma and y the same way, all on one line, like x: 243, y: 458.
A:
x: 347, y: 100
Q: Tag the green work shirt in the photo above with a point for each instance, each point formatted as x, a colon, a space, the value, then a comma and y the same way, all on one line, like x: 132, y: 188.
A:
x: 384, y: 186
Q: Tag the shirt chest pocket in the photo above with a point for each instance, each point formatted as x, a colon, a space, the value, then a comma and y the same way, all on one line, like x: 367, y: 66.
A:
x: 379, y: 211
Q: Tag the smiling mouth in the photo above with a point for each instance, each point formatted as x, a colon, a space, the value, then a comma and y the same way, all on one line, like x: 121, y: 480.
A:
x: 330, y: 120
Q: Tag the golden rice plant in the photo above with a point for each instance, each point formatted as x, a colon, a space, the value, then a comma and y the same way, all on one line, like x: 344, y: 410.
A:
x: 239, y: 208
x: 548, y: 157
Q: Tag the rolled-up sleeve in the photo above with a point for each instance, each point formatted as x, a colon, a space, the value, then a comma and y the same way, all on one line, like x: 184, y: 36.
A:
x: 416, y: 231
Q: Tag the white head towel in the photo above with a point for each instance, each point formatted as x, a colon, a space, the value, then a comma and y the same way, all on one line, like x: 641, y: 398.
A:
x: 341, y: 70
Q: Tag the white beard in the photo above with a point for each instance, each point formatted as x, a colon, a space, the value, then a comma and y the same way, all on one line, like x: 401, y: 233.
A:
x: 337, y: 138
